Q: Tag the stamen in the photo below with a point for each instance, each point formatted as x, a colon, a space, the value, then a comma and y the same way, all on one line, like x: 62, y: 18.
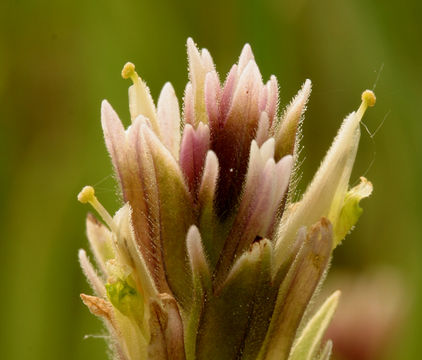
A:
x: 368, y: 99
x: 87, y: 195
x: 128, y: 71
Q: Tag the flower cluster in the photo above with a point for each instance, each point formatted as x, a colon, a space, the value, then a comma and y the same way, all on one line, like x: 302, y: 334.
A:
x: 209, y: 257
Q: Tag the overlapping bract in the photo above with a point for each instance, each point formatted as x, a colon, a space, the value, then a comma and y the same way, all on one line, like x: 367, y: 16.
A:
x: 207, y: 258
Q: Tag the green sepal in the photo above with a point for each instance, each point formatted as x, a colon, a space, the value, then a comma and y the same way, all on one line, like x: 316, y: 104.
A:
x: 125, y: 298
x: 351, y: 211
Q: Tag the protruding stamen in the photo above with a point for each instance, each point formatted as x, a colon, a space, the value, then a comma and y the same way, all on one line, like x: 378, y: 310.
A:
x: 140, y: 100
x: 128, y: 71
x: 87, y: 195
x: 368, y: 99
x: 368, y: 96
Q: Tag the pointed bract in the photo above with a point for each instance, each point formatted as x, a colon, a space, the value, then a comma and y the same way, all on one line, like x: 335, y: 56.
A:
x: 245, y: 57
x: 168, y: 115
x: 287, y: 132
x: 212, y: 98
x: 262, y: 132
x: 199, y: 66
x: 193, y: 149
x: 272, y: 102
x: 197, y: 257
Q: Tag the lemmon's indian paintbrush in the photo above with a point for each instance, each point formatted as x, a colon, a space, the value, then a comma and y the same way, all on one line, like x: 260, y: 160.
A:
x: 210, y: 257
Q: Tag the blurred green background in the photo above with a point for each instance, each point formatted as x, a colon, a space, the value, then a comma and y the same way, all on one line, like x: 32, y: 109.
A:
x: 59, y: 59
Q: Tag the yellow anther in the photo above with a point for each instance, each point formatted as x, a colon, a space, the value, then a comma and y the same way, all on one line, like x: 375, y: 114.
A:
x: 369, y: 98
x: 128, y: 71
x: 86, y: 195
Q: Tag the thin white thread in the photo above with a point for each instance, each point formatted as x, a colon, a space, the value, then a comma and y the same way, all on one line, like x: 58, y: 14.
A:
x: 378, y: 76
x: 92, y: 336
x: 371, y: 136
x: 102, y: 180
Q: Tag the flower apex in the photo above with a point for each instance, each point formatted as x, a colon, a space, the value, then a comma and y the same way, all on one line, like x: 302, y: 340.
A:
x: 369, y: 98
x: 128, y: 70
x: 86, y: 195
x: 190, y: 42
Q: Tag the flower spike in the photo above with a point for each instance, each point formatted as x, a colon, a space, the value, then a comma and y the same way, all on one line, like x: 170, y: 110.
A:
x: 208, y: 258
